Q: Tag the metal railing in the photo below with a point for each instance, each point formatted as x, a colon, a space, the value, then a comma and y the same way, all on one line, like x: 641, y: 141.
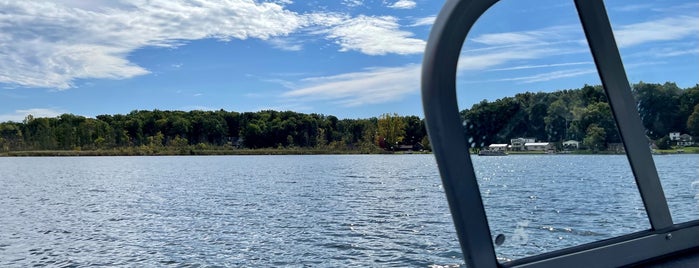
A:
x: 449, y: 145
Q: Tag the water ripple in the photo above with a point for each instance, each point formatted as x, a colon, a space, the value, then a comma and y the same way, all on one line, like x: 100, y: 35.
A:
x: 300, y: 211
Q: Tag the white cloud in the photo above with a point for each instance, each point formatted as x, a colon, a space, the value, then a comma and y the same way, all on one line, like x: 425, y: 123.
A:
x: 385, y: 84
x: 51, y: 44
x: 424, y: 21
x: 485, y: 52
x: 352, y: 3
x: 285, y: 44
x: 524, y: 67
x: 375, y: 36
x: 684, y: 8
x: 676, y: 52
x: 371, y: 86
x: 633, y: 7
x: 403, y: 4
x: 19, y: 115
x: 48, y: 44
x: 488, y: 60
x: 548, y: 76
x: 285, y: 107
x: 283, y: 2
x: 198, y: 108
x: 668, y: 29
x: 549, y: 35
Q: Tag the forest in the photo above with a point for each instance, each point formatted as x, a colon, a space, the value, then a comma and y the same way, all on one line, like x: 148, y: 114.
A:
x: 178, y: 132
x: 580, y: 114
x: 583, y: 115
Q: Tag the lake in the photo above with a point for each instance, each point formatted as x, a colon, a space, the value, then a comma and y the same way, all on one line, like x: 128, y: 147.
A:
x: 318, y: 211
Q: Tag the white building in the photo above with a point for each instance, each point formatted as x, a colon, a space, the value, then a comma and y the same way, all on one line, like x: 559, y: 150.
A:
x: 518, y: 144
x: 685, y: 140
x: 498, y: 147
x: 674, y: 136
x: 571, y: 144
x: 538, y: 146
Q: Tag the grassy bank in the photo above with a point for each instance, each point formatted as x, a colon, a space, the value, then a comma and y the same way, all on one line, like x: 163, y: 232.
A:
x: 683, y: 150
x: 139, y: 152
x: 147, y: 151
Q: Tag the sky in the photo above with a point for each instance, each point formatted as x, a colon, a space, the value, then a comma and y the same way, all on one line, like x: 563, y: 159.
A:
x: 348, y: 58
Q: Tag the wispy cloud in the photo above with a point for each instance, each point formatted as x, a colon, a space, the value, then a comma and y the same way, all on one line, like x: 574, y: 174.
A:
x: 286, y: 107
x: 685, y: 8
x: 19, y: 115
x: 424, y: 21
x: 352, y: 3
x: 677, y: 52
x: 48, y: 44
x: 375, y: 36
x: 283, y: 82
x: 370, y: 86
x: 548, y: 35
x: 403, y: 4
x: 51, y: 44
x: 494, y: 52
x: 386, y: 84
x: 198, y: 108
x: 633, y: 7
x: 667, y: 29
x: 489, y: 60
x: 524, y: 67
x: 553, y: 75
x: 285, y: 44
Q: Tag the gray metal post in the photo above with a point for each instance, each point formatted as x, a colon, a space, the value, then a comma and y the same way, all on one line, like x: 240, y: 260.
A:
x: 445, y: 128
x: 611, y: 70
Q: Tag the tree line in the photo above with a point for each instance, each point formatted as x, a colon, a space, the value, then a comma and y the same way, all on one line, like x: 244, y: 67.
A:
x: 152, y: 130
x: 581, y: 114
x: 576, y: 114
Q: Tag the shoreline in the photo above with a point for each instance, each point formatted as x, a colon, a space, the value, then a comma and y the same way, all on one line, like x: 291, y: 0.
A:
x: 74, y: 153
x: 133, y: 152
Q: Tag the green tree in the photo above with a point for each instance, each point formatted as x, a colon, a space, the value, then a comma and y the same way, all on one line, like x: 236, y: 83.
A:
x: 390, y: 130
x: 658, y: 106
x: 663, y: 143
x: 426, y: 143
x: 594, y: 138
x: 10, y: 136
x: 558, y: 116
x: 693, y: 122
x: 179, y: 143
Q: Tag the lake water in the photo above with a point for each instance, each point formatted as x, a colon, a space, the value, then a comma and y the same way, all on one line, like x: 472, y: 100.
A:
x: 318, y: 211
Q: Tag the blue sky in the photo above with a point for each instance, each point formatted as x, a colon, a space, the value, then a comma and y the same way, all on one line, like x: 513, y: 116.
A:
x: 349, y: 58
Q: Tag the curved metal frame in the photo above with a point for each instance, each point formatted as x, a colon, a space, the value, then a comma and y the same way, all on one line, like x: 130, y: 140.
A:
x: 456, y: 169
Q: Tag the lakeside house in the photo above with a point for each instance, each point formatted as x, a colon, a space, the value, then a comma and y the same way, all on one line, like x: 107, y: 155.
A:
x: 498, y: 147
x: 685, y: 140
x: 539, y: 146
x: 571, y: 144
x: 404, y: 147
x: 674, y: 136
x: 681, y: 139
x: 519, y: 144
